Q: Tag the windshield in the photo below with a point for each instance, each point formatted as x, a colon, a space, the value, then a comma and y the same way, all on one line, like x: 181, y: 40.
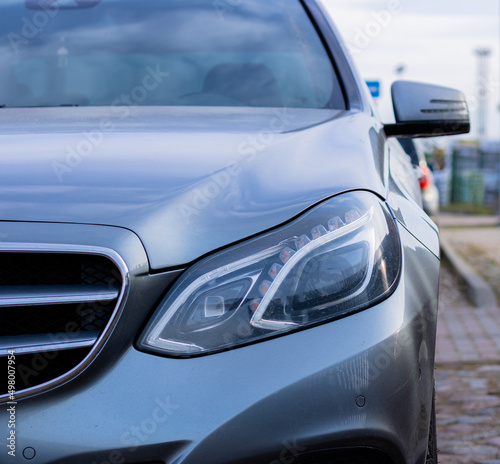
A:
x: 257, y: 53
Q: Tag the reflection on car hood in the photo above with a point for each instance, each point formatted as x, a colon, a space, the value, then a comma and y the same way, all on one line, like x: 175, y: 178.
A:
x: 185, y: 180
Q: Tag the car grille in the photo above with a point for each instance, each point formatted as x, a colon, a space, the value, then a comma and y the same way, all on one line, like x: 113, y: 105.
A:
x: 55, y: 307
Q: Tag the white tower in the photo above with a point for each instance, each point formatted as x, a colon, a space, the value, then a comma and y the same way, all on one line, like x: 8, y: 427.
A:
x: 483, y: 55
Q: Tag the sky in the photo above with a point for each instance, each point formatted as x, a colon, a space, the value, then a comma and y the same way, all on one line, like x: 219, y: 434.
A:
x: 434, y: 40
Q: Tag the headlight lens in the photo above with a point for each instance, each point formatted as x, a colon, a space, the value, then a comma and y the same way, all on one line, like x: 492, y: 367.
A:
x: 340, y: 257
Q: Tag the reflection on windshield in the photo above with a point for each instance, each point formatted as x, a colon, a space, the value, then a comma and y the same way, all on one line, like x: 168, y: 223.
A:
x: 58, y: 4
x: 153, y: 52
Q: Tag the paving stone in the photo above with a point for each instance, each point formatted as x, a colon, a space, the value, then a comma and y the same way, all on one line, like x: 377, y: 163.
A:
x: 473, y: 420
x: 478, y: 384
x: 478, y: 405
x: 446, y: 459
x: 485, y: 434
x: 444, y: 388
x: 446, y: 420
x: 471, y: 398
x: 444, y: 437
x: 494, y: 368
x: 462, y: 430
x: 466, y: 434
x: 458, y: 449
x: 484, y: 449
x: 489, y: 412
x: 494, y: 442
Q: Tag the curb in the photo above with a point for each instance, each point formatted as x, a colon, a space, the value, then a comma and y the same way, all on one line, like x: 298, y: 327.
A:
x: 479, y: 292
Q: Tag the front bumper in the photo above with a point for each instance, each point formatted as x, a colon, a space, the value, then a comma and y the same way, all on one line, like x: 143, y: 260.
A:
x: 364, y: 381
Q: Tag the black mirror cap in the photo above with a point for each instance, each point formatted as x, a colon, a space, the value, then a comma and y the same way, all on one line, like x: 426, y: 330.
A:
x: 420, y: 129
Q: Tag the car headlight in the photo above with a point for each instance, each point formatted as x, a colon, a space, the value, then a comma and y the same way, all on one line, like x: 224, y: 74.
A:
x: 338, y: 258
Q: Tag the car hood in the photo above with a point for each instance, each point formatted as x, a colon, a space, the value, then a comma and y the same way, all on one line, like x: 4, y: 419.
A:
x: 186, y: 180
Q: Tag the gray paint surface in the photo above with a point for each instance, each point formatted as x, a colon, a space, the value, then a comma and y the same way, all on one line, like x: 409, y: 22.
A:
x: 202, y: 409
x: 160, y: 171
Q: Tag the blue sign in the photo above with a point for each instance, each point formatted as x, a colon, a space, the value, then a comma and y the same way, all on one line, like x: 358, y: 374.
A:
x: 374, y: 87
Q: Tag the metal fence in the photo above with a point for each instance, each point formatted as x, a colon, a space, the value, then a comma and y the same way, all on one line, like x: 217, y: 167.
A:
x: 475, y: 174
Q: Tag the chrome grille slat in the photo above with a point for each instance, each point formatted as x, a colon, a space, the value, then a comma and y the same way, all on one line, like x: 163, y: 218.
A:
x: 32, y: 295
x: 28, y: 344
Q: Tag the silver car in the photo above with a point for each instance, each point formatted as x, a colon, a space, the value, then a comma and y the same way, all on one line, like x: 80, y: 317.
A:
x: 212, y: 250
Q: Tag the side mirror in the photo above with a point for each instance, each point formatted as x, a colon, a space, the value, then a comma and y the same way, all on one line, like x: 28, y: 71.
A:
x: 424, y: 110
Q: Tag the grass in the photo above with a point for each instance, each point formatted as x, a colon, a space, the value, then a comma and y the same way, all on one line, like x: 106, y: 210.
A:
x: 467, y: 208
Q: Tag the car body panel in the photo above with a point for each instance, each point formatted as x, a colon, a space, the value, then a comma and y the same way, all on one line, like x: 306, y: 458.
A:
x: 430, y: 193
x: 193, y: 410
x: 241, y: 183
x: 405, y: 200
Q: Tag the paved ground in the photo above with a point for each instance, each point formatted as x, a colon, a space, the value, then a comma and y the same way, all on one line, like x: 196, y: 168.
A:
x: 480, y: 247
x: 468, y: 413
x: 468, y: 351
x: 465, y: 333
x: 466, y: 220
